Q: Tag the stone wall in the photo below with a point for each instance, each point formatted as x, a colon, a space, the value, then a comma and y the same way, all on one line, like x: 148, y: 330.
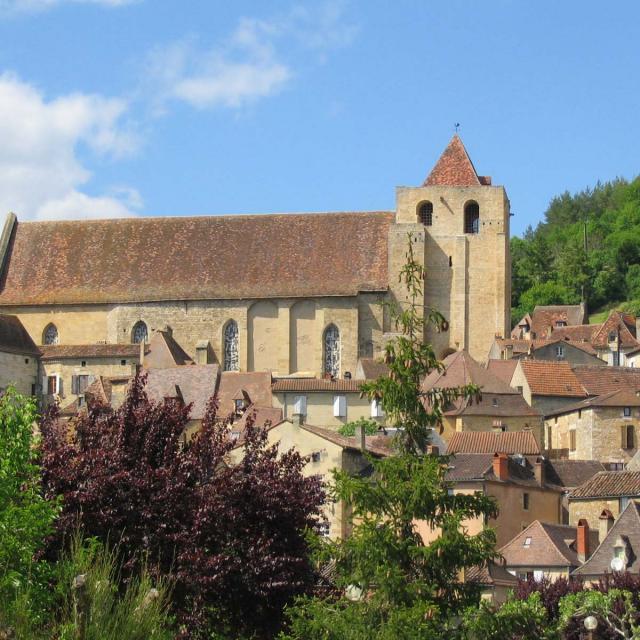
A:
x: 19, y: 370
x: 591, y: 510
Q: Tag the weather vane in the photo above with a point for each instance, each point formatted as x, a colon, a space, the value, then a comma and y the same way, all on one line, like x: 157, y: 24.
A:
x: 457, y: 126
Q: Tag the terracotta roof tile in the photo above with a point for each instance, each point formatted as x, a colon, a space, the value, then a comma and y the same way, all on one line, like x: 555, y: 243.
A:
x: 378, y: 445
x: 372, y: 368
x: 317, y: 385
x: 491, y: 574
x: 510, y: 442
x: 548, y: 378
x: 257, y: 384
x: 599, y: 380
x: 621, y: 398
x: 454, y: 168
x: 165, y: 352
x: 609, y: 484
x: 622, y: 324
x: 545, y: 316
x: 193, y: 258
x: 502, y: 369
x: 62, y: 351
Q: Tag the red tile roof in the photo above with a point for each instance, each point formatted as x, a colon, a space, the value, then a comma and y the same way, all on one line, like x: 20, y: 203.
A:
x: 196, y: 258
x: 502, y: 369
x: 598, y: 380
x: 62, y: 351
x: 548, y: 378
x: 165, y: 352
x: 510, y: 442
x: 622, y: 324
x: 609, y: 484
x: 317, y: 385
x: 454, y: 168
x: 257, y: 385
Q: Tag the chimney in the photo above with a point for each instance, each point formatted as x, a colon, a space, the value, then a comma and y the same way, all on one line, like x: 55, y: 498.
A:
x: 501, y: 466
x: 605, y: 524
x: 203, y: 352
x: 361, y: 438
x: 538, y: 471
x: 582, y: 540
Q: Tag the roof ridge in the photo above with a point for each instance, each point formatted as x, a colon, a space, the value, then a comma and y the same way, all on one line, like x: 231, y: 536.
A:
x: 454, y: 167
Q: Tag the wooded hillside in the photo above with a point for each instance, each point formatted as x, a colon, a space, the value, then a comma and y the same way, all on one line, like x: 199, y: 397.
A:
x: 550, y: 264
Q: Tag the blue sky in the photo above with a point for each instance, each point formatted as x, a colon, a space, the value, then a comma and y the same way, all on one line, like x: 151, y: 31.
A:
x: 158, y: 107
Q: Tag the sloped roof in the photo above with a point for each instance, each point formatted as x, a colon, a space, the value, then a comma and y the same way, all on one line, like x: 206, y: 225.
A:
x: 14, y: 338
x: 510, y: 442
x: 499, y: 405
x: 256, y: 384
x: 372, y: 368
x: 454, y: 168
x: 378, y: 445
x: 502, y: 369
x: 598, y: 380
x: 577, y: 333
x: 461, y: 369
x: 570, y: 474
x: 621, y: 398
x: 549, y: 378
x: 165, y: 352
x: 545, y: 316
x: 196, y: 258
x: 490, y: 574
x: 627, y: 527
x: 317, y: 385
x: 469, y: 466
x: 609, y: 484
x: 63, y: 351
x: 197, y: 384
x: 550, y: 545
x: 617, y: 322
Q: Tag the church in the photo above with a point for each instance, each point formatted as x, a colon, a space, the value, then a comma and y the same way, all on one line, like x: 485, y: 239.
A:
x: 286, y: 293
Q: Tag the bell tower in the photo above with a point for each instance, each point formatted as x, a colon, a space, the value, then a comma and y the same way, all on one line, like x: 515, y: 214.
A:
x: 461, y: 222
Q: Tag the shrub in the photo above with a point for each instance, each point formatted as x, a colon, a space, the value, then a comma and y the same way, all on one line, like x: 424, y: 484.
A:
x: 371, y: 427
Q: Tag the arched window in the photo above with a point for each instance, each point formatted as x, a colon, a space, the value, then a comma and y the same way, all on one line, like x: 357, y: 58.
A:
x: 231, y: 355
x: 425, y: 214
x: 331, y: 347
x: 472, y: 218
x: 50, y: 335
x: 139, y: 332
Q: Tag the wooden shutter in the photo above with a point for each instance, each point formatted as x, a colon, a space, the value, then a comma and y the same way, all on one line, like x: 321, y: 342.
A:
x: 339, y: 406
x: 572, y: 440
x: 74, y: 385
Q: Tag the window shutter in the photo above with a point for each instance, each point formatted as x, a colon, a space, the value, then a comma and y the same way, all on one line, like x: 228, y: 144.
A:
x: 58, y: 384
x: 623, y: 436
x: 572, y: 440
x: 45, y: 387
x: 300, y: 405
x: 74, y: 385
x: 339, y: 406
x: 630, y: 437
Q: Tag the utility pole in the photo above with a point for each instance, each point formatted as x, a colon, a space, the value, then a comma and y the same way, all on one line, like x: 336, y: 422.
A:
x: 586, y: 255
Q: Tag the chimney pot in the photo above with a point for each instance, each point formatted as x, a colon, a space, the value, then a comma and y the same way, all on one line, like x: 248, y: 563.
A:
x: 582, y: 540
x: 501, y: 466
x: 538, y: 471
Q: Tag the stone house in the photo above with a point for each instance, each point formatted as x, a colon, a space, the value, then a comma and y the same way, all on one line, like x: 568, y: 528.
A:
x: 604, y: 428
x: 294, y: 293
x: 517, y: 482
x: 552, y: 551
x: 18, y: 357
x: 616, y: 339
x: 547, y: 318
x: 499, y: 407
x: 619, y: 548
x: 326, y: 402
x: 607, y: 491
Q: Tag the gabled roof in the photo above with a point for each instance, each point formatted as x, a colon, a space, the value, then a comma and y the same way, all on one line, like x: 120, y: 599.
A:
x: 14, y: 338
x: 549, y: 378
x: 622, y: 324
x: 196, y: 258
x: 545, y: 316
x: 510, y: 442
x: 165, y: 352
x: 502, y: 369
x: 66, y: 351
x: 549, y: 545
x: 454, y: 168
x: 579, y: 333
x: 620, y: 398
x: 461, y: 369
x: 490, y: 574
x: 371, y: 369
x: 570, y: 474
x: 609, y: 484
x: 196, y: 383
x: 499, y: 405
x: 377, y: 445
x: 627, y: 527
x: 257, y: 385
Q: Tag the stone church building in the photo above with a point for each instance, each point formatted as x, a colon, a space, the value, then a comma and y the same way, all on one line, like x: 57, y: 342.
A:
x: 289, y: 293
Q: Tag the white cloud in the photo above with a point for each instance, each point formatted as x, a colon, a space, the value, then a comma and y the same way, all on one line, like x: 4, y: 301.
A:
x: 41, y: 173
x: 30, y: 6
x: 249, y: 64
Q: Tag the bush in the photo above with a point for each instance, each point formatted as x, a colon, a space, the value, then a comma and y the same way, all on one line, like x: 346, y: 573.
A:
x: 371, y: 427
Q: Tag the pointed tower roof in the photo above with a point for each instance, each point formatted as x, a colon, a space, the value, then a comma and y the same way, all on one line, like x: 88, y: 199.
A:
x: 454, y: 168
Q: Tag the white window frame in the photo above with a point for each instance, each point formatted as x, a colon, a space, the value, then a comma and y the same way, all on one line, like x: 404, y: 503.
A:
x: 299, y: 405
x: 340, y: 406
x: 376, y: 409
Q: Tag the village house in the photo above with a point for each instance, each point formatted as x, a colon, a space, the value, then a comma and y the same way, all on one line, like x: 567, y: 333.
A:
x: 498, y: 408
x: 619, y: 548
x: 546, y: 550
x: 607, y: 491
x: 547, y: 318
x: 604, y: 428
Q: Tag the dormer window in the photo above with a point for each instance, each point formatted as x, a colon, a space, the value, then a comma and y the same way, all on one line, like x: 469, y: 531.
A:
x: 561, y: 323
x: 472, y: 218
x: 425, y: 214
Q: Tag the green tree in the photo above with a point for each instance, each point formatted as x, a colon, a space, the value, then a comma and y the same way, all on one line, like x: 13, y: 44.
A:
x: 371, y: 427
x: 26, y: 518
x: 395, y: 584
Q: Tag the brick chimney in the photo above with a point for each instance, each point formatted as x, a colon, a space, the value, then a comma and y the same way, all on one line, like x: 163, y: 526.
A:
x: 538, y: 470
x: 605, y: 524
x: 501, y: 466
x: 582, y: 540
